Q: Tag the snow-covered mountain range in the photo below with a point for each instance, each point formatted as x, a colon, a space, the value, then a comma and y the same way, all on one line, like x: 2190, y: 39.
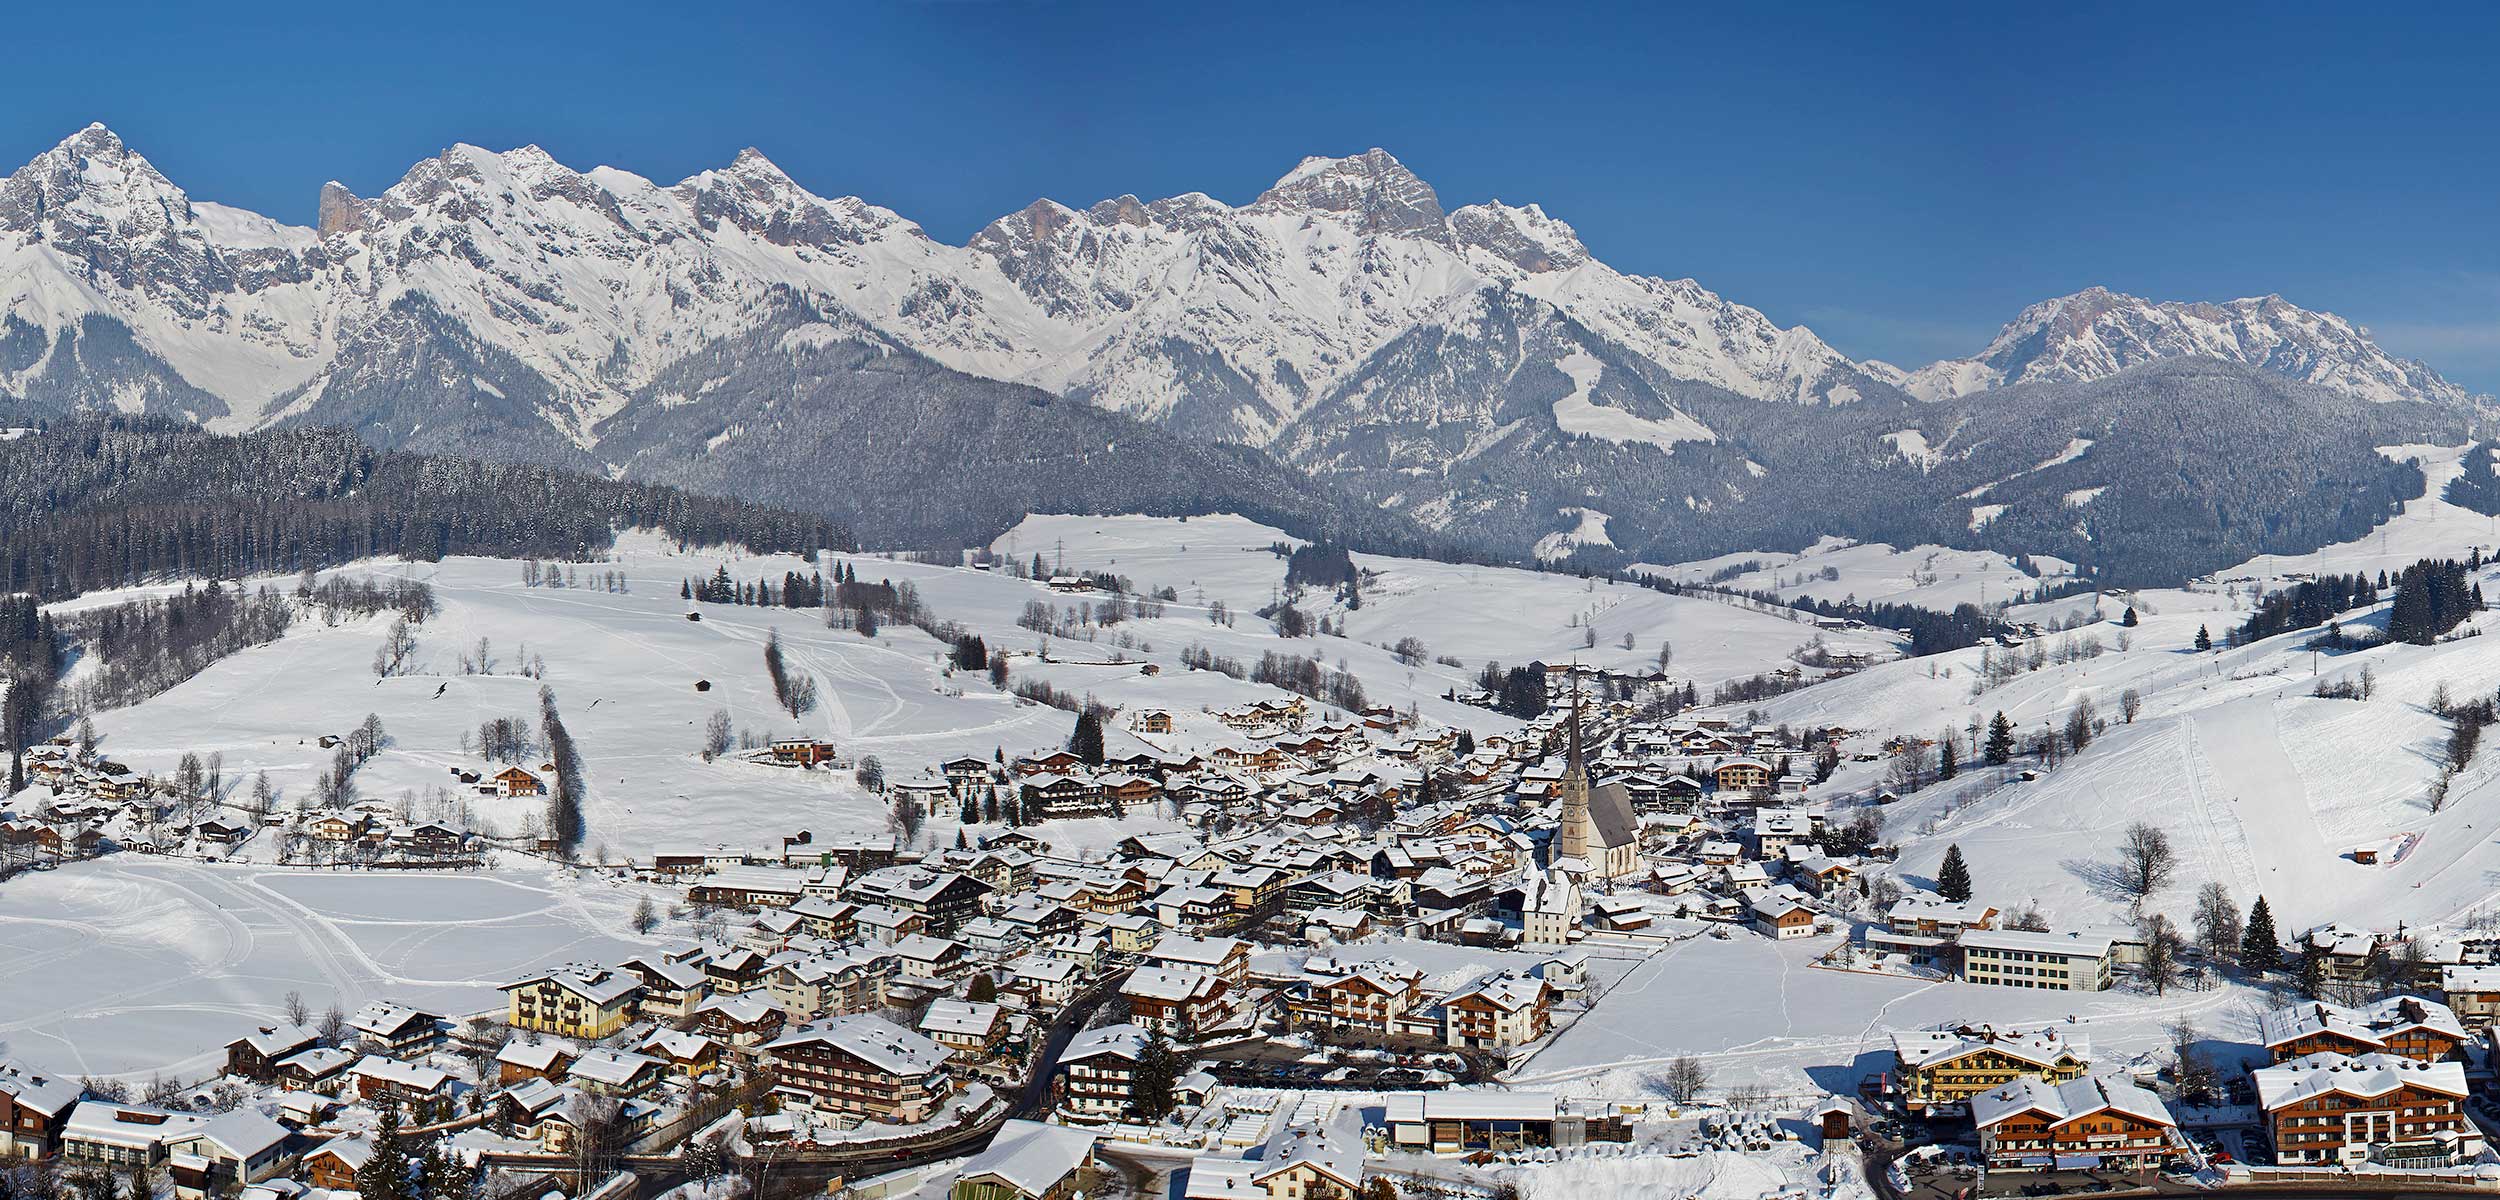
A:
x: 2096, y: 333
x: 1342, y: 321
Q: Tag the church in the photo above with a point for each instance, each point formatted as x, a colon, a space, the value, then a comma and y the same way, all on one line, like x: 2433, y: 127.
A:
x: 1600, y: 838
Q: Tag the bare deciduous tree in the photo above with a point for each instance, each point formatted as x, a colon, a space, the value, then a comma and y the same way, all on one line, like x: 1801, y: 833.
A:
x: 2145, y: 860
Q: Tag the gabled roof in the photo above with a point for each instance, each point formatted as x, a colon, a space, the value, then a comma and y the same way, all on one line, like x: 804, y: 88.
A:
x: 1918, y: 1048
x: 2064, y: 1102
x: 2369, y: 1025
x: 1030, y: 1156
x: 873, y: 1040
x: 2364, y: 1077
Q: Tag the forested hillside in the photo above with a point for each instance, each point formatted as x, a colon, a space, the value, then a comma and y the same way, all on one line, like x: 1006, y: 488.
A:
x: 101, y: 502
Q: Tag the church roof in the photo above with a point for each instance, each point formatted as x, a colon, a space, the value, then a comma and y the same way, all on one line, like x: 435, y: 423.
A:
x: 1611, y: 822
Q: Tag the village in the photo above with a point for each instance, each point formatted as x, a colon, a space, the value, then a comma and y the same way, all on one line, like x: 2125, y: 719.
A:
x: 1261, y: 1002
x: 1197, y: 937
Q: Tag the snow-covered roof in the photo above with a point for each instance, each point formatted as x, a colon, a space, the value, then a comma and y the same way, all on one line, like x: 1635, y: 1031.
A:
x: 2369, y: 1025
x: 1170, y: 983
x: 1918, y: 1048
x: 2367, y: 1076
x: 967, y: 1018
x: 2063, y: 1102
x: 1030, y: 1156
x: 2076, y: 945
x: 1123, y: 1040
x: 874, y: 1040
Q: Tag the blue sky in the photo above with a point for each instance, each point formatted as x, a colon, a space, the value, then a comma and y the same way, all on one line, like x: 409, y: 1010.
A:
x: 1901, y: 178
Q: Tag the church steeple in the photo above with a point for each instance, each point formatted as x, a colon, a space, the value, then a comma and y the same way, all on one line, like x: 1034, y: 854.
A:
x: 1571, y: 838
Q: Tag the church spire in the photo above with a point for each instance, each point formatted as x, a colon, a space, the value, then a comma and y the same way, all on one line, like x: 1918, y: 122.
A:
x: 1573, y: 764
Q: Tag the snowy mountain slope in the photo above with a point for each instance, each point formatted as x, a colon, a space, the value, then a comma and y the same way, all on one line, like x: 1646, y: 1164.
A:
x: 2096, y: 333
x: 1476, y: 369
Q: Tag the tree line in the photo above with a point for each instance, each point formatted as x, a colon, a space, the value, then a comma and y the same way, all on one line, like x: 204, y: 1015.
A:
x: 102, y: 502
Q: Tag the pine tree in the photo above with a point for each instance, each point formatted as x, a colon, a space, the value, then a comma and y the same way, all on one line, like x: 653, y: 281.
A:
x: 1151, y: 1084
x: 385, y: 1173
x: 2204, y: 640
x: 1953, y: 878
x: 1946, y: 765
x: 2000, y: 748
x: 2128, y: 620
x: 2260, y: 951
x: 1086, y: 742
x: 2312, y: 970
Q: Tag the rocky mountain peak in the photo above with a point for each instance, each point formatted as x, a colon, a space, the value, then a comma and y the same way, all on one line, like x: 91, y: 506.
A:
x: 1122, y: 210
x: 340, y: 211
x: 2096, y: 332
x: 1373, y: 189
x: 1524, y: 237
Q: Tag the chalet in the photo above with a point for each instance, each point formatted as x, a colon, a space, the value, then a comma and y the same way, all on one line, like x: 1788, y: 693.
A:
x: 2473, y: 994
x: 944, y: 899
x: 586, y: 1002
x: 390, y: 1080
x: 802, y: 752
x: 1501, y: 1012
x: 221, y: 833
x: 731, y: 972
x: 1225, y: 958
x: 1371, y: 999
x: 2096, y: 1121
x: 1302, y: 1162
x: 1943, y: 1067
x: 514, y: 782
x: 969, y: 1028
x: 391, y: 1029
x: 336, y: 827
x: 1055, y: 762
x: 970, y: 770
x: 1154, y: 721
x: 931, y: 958
x: 319, y: 1069
x: 1746, y: 775
x: 34, y: 1107
x: 738, y: 1020
x: 1058, y: 797
x: 1180, y: 1001
x: 1129, y: 793
x: 255, y: 1055
x: 1782, y: 913
x: 692, y: 1055
x: 748, y: 887
x: 333, y: 1164
x: 229, y: 1151
x: 672, y: 984
x: 2334, y: 1108
x: 828, y: 920
x: 520, y: 1061
x: 616, y: 1073
x: 2404, y: 1026
x: 860, y: 1064
x: 1040, y: 982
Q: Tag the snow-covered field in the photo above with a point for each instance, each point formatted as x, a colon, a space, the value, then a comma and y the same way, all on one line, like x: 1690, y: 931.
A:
x: 1757, y: 1014
x: 132, y: 965
x: 1873, y: 572
x: 1474, y: 613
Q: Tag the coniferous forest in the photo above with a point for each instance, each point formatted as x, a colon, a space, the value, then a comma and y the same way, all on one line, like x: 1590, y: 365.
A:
x: 102, y: 502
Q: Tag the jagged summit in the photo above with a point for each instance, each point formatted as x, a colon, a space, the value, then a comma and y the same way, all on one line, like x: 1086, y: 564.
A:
x: 1442, y: 361
x: 1373, y: 188
x: 2096, y: 333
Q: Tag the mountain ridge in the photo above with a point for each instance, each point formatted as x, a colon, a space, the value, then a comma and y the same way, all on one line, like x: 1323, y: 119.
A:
x: 1473, y: 371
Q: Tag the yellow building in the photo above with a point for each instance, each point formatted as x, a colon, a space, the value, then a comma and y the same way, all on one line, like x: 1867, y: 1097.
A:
x: 1949, y: 1066
x: 576, y: 1002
